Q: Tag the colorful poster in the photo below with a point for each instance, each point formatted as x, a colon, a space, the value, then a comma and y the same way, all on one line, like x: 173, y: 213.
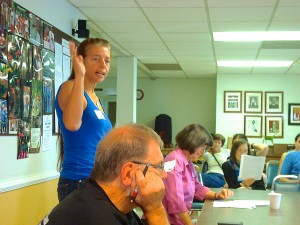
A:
x: 36, y: 30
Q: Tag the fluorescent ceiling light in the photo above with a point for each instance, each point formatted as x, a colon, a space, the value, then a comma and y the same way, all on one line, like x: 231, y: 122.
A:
x: 229, y: 63
x: 257, y: 36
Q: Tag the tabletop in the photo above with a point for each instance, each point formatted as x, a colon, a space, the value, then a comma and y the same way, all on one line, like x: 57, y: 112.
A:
x: 261, y: 215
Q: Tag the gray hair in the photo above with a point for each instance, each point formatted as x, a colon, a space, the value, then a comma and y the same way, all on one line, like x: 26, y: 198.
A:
x: 122, y: 144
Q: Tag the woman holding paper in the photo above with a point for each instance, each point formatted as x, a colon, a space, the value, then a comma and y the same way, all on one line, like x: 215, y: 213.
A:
x: 231, y: 168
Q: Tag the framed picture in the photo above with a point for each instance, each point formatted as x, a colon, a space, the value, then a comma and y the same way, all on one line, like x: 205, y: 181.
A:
x: 253, y: 126
x: 274, y: 126
x: 232, y: 101
x: 253, y: 101
x: 294, y: 114
x: 274, y: 102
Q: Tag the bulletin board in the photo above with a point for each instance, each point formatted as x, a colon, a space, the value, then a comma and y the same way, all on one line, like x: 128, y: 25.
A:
x: 34, y: 61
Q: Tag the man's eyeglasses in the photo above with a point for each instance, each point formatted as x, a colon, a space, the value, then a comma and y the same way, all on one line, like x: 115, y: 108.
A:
x: 159, y: 167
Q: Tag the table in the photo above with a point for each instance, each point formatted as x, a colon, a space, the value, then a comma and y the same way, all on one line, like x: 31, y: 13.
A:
x: 287, y: 214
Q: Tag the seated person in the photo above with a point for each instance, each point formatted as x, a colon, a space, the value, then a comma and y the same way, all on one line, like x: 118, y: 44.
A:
x: 231, y: 168
x: 106, y: 197
x: 259, y: 148
x: 291, y: 163
x: 182, y: 183
x: 215, y: 157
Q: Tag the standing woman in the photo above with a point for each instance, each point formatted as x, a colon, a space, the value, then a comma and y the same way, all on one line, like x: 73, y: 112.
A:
x: 80, y: 114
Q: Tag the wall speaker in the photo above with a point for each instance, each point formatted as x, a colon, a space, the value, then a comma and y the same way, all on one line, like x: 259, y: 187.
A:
x: 82, y: 32
x: 81, y: 24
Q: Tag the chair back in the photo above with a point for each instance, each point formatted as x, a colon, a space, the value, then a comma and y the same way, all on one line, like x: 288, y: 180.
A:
x: 286, y: 187
x: 204, y: 167
x: 271, y: 171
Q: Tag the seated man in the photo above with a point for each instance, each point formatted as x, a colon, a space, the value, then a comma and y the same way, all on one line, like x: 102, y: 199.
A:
x: 291, y: 163
x: 117, y: 184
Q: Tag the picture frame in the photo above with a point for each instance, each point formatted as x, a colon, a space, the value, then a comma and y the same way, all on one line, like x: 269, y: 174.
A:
x: 232, y: 101
x: 274, y: 126
x: 294, y: 114
x: 274, y: 102
x: 253, y: 126
x: 253, y: 102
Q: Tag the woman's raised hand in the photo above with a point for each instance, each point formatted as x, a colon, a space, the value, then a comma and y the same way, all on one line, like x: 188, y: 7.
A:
x: 77, y: 61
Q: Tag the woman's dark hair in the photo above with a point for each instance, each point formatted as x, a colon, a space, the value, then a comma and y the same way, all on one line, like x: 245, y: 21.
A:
x: 239, y: 136
x: 81, y: 49
x: 192, y: 137
x: 297, y: 136
x: 219, y: 137
x: 235, y: 146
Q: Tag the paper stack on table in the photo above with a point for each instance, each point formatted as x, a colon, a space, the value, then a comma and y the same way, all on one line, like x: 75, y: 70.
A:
x: 241, y: 204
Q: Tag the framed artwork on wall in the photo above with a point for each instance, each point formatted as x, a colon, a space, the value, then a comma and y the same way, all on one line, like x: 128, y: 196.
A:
x: 253, y: 101
x: 253, y: 126
x: 274, y: 126
x: 294, y: 114
x: 233, y: 101
x: 274, y: 102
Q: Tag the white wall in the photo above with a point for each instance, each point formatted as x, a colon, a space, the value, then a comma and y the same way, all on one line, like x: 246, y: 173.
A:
x: 59, y: 13
x: 185, y: 100
x: 231, y: 123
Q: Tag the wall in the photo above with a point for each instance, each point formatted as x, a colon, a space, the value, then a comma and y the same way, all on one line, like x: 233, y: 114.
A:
x: 185, y: 100
x: 231, y: 123
x: 27, y: 206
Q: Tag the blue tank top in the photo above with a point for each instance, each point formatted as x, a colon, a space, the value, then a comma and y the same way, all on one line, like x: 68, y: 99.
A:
x: 80, y: 146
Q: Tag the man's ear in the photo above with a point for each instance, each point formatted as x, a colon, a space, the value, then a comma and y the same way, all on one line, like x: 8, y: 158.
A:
x: 127, y: 173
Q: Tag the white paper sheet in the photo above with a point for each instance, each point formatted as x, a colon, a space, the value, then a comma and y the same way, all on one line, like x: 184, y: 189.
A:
x: 251, y: 167
x: 169, y: 166
x: 241, y: 204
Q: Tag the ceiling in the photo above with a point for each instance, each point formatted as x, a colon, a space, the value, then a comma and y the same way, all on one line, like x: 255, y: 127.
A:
x: 174, y: 38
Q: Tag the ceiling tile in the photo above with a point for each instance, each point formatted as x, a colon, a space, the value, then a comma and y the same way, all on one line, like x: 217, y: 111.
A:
x: 236, y: 70
x: 277, y: 70
x: 178, y: 31
x: 104, y: 3
x: 169, y: 74
x: 239, y: 26
x: 178, y: 27
x: 120, y: 37
x: 176, y: 14
x: 240, y: 14
x: 174, y: 3
x: 239, y: 3
x: 139, y: 45
x: 109, y: 26
x: 285, y: 26
x: 287, y: 14
x: 114, y: 14
x: 153, y: 59
x: 185, y: 37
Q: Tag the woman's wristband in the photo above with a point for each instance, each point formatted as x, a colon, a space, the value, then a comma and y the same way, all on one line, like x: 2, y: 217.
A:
x: 215, y: 196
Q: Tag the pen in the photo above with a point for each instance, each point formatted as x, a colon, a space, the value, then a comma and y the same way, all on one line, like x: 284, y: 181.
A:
x: 134, y: 194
